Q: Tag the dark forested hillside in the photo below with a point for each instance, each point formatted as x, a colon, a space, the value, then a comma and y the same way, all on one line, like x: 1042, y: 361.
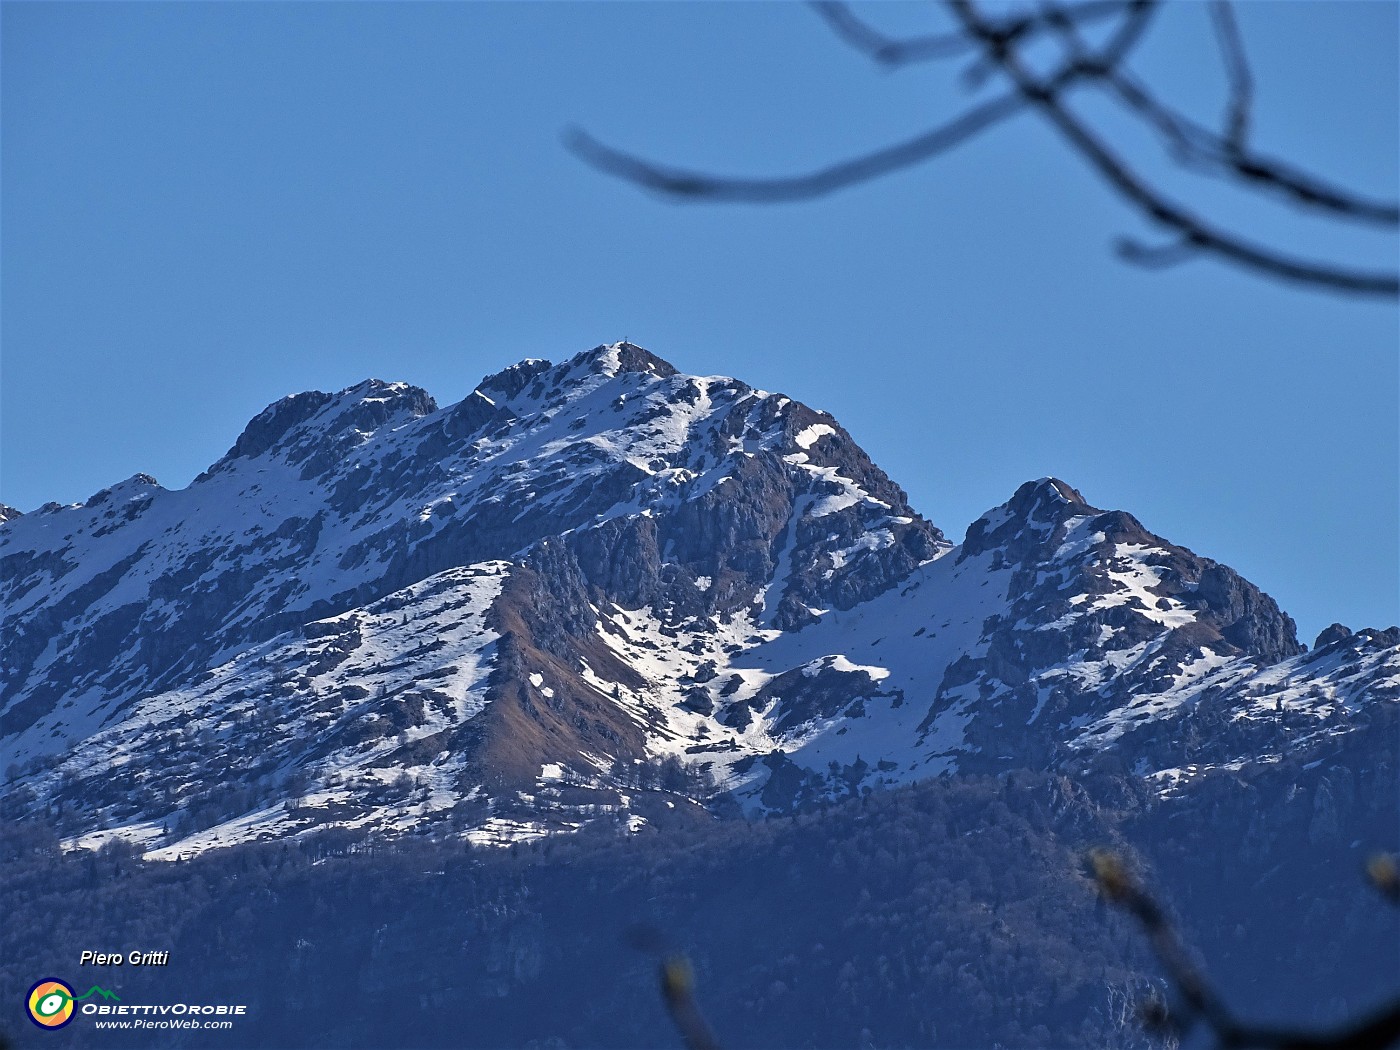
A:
x: 947, y: 913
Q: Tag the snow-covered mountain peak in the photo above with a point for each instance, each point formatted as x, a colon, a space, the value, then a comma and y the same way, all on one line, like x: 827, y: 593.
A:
x: 138, y: 486
x: 1032, y: 515
x: 1078, y: 564
x: 543, y: 379
x: 615, y: 358
x: 420, y: 617
x: 298, y: 426
x: 508, y: 382
x: 1048, y: 490
x: 1339, y: 638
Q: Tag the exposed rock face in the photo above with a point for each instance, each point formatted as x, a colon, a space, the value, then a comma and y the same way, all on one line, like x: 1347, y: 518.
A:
x: 1335, y: 633
x: 1101, y: 616
x: 496, y: 617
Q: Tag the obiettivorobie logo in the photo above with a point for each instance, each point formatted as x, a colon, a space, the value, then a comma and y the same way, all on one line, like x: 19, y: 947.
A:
x: 51, y: 1002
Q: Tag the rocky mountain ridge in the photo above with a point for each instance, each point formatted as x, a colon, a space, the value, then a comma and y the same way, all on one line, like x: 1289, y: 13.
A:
x: 598, y: 591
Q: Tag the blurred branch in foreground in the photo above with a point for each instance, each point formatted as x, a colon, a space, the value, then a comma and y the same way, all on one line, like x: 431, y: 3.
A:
x: 677, y: 987
x: 1200, y: 1003
x: 678, y: 990
x: 998, y: 46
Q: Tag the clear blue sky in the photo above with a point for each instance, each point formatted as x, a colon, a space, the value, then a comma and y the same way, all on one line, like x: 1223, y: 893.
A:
x: 208, y: 206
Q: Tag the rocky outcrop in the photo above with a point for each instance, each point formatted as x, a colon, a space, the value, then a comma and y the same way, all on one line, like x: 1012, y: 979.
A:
x: 1334, y: 633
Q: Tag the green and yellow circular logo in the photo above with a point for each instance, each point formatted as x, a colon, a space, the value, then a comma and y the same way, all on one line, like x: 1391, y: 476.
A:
x: 50, y: 1003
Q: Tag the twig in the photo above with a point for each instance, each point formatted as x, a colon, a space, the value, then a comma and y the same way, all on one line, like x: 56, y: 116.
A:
x: 1380, y: 1030
x: 892, y: 52
x: 677, y: 986
x: 678, y: 991
x: 1227, y: 31
x: 1384, y: 874
x: 997, y: 42
x: 1127, y: 35
x: 1156, y: 257
x: 696, y: 186
x: 1154, y: 205
x: 886, y: 50
x: 1196, y: 146
x: 1119, y: 888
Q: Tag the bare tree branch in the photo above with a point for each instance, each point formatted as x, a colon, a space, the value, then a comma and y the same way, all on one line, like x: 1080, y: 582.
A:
x: 1380, y: 1030
x: 1190, y: 143
x: 1155, y: 257
x: 1126, y: 37
x: 887, y: 50
x: 893, y: 51
x: 695, y: 185
x: 1384, y: 873
x: 678, y: 991
x: 1156, y: 206
x: 1194, y: 145
x: 1227, y: 31
x: 998, y: 43
x: 1119, y: 887
x: 677, y: 986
